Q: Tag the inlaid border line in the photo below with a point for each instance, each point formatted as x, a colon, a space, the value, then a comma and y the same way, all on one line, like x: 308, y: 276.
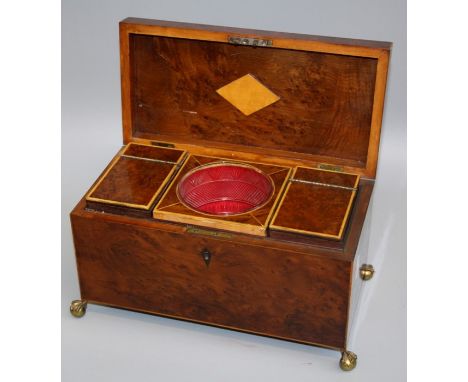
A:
x: 323, y: 184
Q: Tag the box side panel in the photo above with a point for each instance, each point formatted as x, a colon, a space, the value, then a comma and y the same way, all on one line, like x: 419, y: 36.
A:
x: 357, y: 283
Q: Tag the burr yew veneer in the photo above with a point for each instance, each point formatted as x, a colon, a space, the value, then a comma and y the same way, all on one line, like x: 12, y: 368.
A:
x: 240, y: 194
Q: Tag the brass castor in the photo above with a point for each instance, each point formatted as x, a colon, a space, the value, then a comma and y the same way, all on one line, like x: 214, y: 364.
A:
x: 78, y: 308
x: 366, y: 271
x: 348, y: 360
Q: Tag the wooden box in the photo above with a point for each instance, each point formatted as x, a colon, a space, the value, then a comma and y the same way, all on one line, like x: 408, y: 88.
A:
x: 239, y: 196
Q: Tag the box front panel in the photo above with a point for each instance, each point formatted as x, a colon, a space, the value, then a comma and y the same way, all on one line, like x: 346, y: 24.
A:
x: 289, y: 295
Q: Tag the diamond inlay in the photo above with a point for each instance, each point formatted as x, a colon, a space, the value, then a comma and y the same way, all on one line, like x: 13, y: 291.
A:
x: 247, y: 94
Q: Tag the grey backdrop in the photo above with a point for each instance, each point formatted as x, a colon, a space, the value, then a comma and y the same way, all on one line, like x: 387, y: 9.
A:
x: 115, y: 345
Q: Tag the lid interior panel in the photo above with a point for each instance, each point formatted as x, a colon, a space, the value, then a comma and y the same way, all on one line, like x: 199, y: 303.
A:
x: 324, y: 109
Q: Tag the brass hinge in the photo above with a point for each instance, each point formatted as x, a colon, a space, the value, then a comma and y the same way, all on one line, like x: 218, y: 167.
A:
x: 162, y: 144
x: 249, y: 41
x: 330, y: 167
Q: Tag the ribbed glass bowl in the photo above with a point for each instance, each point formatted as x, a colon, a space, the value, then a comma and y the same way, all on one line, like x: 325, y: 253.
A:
x: 225, y: 189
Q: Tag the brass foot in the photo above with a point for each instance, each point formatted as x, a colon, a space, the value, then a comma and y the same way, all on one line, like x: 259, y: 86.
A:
x: 348, y: 360
x: 78, y: 308
x: 366, y: 271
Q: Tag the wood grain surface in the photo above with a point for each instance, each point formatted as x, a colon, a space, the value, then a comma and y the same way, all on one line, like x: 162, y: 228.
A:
x: 332, y: 92
x: 316, y: 203
x: 325, y: 105
x: 268, y: 291
x: 134, y: 179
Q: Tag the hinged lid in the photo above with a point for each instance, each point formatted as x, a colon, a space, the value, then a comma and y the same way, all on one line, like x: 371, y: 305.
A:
x: 318, y: 100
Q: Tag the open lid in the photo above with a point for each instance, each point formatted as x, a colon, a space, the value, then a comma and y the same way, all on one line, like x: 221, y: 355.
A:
x: 318, y: 100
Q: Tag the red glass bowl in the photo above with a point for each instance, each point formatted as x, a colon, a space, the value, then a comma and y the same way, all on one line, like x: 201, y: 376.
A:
x: 225, y: 189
